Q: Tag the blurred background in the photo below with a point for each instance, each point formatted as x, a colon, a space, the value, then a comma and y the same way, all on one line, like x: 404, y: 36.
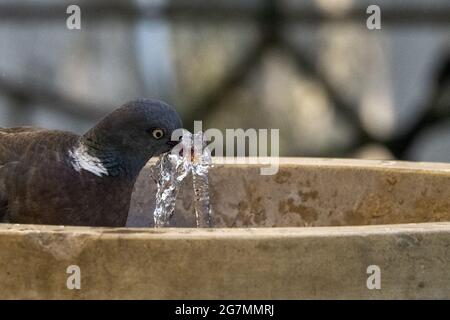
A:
x: 310, y: 68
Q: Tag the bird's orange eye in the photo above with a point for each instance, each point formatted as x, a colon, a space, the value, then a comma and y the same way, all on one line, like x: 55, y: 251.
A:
x: 157, y: 133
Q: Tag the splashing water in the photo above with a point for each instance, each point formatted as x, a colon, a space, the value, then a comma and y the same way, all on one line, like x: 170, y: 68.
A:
x: 200, y: 167
x: 172, y: 169
x: 171, y: 172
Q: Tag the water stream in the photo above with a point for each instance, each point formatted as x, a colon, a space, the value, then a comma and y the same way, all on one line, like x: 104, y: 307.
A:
x: 170, y: 171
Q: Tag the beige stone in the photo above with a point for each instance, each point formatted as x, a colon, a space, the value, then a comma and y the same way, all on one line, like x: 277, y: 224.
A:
x: 356, y: 213
x: 312, y: 192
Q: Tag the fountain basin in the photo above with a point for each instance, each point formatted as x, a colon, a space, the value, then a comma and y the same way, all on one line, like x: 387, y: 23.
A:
x: 310, y: 193
x: 311, y: 231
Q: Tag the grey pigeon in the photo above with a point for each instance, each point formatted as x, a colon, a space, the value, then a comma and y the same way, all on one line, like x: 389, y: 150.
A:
x: 60, y: 178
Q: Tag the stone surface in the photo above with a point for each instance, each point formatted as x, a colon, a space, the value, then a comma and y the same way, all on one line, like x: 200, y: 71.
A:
x: 277, y: 263
x: 256, y: 263
x: 311, y: 192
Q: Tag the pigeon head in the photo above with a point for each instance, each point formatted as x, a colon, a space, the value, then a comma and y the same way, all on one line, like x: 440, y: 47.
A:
x: 128, y: 137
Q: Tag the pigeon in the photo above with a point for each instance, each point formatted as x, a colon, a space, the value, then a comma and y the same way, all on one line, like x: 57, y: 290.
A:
x: 60, y: 178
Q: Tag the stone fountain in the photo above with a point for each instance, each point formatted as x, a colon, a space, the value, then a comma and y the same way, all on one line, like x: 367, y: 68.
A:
x: 316, y: 229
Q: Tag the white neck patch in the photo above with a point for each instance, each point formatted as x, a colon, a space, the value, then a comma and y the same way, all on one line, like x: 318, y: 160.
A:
x: 82, y: 160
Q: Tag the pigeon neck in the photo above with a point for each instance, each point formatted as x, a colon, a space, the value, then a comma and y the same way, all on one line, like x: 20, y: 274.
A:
x: 103, y: 160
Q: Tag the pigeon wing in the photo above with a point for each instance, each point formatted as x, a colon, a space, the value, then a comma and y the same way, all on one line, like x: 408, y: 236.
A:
x: 13, y: 141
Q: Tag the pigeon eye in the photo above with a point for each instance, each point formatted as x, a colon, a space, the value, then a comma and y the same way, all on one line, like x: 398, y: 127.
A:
x: 157, y: 133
